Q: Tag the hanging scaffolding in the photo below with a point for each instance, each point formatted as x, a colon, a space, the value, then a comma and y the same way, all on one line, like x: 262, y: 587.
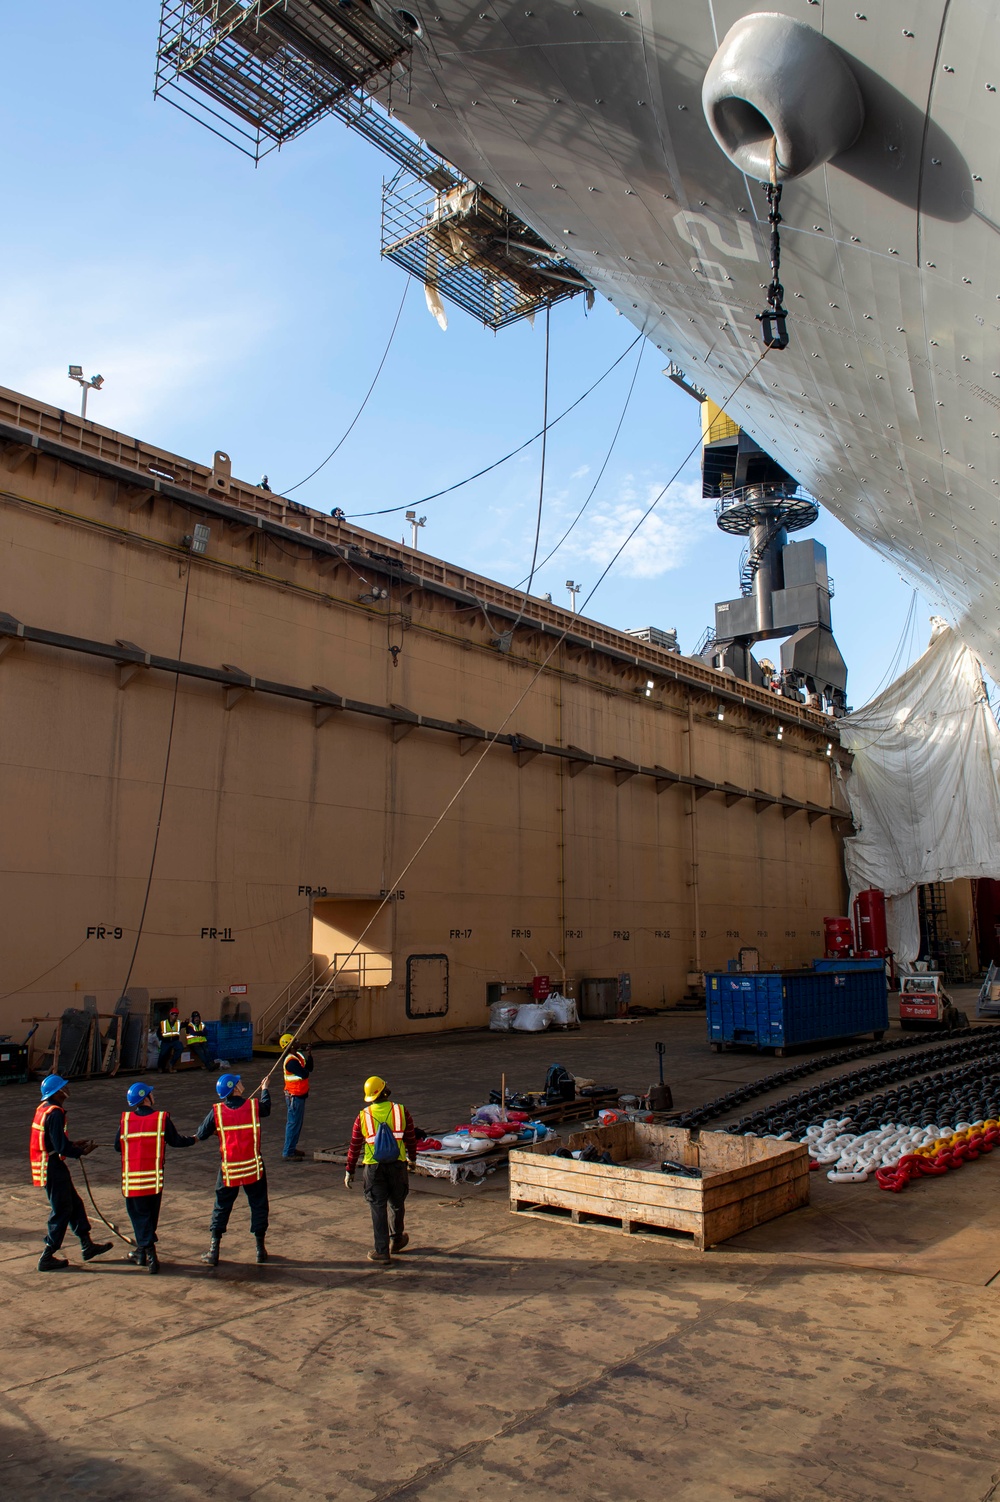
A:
x: 460, y: 240
x: 259, y: 72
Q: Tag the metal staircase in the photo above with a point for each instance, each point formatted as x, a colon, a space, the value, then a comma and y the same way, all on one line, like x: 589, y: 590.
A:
x: 345, y: 977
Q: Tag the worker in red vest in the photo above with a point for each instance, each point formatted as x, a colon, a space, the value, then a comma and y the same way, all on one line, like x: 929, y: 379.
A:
x: 236, y: 1122
x: 48, y: 1150
x: 297, y: 1066
x: 144, y: 1135
x: 386, y: 1140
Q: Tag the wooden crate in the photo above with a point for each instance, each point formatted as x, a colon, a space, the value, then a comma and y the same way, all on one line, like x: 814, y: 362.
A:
x: 745, y: 1181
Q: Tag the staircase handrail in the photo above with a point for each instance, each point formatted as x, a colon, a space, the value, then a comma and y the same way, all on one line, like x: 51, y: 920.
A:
x: 283, y: 1000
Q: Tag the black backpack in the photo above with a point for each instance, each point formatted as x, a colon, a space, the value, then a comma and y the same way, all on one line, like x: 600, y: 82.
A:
x: 559, y: 1085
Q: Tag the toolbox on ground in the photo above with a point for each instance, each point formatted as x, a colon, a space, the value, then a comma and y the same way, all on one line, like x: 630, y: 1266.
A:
x: 789, y: 1008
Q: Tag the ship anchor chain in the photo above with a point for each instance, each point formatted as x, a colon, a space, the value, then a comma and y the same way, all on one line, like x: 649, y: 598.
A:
x: 774, y: 319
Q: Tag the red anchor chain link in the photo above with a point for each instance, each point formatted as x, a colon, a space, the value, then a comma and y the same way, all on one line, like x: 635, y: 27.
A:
x: 937, y: 1157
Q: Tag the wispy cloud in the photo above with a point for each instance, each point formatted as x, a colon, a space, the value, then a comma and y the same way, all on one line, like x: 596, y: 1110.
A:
x: 663, y: 542
x: 158, y: 335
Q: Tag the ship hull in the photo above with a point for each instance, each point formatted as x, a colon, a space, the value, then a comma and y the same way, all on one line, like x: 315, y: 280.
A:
x: 587, y: 121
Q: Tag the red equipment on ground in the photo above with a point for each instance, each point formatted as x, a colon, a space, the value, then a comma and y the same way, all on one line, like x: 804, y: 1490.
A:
x: 839, y: 938
x: 871, y: 940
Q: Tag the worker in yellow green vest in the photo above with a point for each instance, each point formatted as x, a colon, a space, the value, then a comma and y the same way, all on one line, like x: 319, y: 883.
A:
x: 386, y: 1142
x: 196, y: 1039
x: 170, y: 1043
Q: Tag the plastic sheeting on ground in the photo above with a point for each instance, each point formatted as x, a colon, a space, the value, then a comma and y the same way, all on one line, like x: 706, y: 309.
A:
x: 924, y: 789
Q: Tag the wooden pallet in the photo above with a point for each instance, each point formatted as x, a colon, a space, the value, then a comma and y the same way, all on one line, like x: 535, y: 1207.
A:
x: 745, y: 1181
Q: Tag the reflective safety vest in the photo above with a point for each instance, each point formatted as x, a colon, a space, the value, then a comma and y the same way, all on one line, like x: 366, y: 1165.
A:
x: 386, y: 1113
x: 295, y: 1084
x: 37, y: 1151
x: 239, y: 1142
x: 170, y: 1029
x: 196, y: 1033
x: 143, y: 1148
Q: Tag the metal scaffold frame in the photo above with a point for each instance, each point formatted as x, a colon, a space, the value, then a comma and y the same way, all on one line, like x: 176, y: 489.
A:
x: 460, y: 240
x: 259, y: 72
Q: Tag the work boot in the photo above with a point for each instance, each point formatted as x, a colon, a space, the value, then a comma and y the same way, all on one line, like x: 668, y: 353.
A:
x: 96, y: 1249
x: 152, y: 1261
x: 381, y: 1257
x: 137, y: 1256
x: 48, y: 1262
x: 261, y: 1249
x: 212, y: 1255
x: 399, y: 1242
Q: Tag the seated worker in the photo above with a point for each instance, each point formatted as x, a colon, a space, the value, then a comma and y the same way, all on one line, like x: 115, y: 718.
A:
x: 170, y: 1043
x: 197, y: 1039
x: 144, y: 1134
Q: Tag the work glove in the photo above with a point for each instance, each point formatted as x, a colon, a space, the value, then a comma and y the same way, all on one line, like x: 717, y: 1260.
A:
x: 348, y: 1181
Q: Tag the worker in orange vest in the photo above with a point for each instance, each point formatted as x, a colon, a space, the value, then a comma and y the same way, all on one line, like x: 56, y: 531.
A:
x: 297, y: 1066
x: 236, y: 1122
x: 385, y: 1138
x: 144, y: 1135
x: 48, y: 1149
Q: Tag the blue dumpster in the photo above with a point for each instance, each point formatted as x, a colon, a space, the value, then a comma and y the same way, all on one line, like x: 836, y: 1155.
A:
x: 791, y: 1008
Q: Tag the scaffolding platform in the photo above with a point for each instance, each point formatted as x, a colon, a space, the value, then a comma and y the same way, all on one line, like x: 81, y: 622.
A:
x: 259, y: 72
x: 461, y: 241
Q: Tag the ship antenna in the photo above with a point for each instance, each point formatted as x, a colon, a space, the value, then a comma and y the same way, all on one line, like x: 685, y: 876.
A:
x: 774, y: 319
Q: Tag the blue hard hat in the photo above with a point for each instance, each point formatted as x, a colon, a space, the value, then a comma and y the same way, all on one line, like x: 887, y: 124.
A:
x: 226, y: 1084
x: 137, y: 1094
x: 52, y: 1084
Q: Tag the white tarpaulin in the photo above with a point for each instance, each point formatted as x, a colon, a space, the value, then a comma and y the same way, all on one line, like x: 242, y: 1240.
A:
x: 925, y: 785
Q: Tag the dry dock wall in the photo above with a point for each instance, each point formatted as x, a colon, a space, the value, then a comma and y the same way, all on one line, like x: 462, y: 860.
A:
x: 621, y: 831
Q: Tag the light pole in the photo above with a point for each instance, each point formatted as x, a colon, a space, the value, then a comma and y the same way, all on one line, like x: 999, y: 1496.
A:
x: 94, y: 383
x: 574, y: 590
x: 416, y: 522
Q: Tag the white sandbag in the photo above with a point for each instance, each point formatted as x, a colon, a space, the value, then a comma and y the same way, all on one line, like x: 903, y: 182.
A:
x: 532, y: 1018
x: 502, y: 1016
x: 562, y: 1010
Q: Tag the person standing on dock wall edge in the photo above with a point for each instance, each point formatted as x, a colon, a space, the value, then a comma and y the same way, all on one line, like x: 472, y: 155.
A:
x: 144, y: 1135
x: 237, y: 1123
x: 385, y: 1133
x: 48, y: 1149
x: 297, y: 1066
x: 170, y: 1042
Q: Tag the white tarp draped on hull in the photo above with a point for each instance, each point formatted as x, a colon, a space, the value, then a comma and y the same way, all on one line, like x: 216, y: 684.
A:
x: 925, y: 785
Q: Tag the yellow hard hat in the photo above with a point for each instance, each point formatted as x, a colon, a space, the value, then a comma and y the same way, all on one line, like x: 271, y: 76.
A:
x: 285, y: 1039
x: 374, y: 1088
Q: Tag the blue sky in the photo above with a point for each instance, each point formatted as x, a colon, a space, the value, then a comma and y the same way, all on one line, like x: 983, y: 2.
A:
x: 245, y: 308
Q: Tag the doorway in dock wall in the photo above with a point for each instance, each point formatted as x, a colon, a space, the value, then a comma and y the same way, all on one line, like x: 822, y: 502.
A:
x: 426, y: 985
x: 338, y: 923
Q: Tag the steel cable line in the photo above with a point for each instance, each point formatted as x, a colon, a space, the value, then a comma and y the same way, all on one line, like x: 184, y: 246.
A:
x: 436, y: 495
x: 322, y: 1000
x: 545, y: 437
x: 347, y: 433
x: 600, y: 472
x: 163, y: 790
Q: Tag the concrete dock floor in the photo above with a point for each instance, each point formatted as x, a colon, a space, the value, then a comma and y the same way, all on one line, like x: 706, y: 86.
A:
x: 846, y: 1351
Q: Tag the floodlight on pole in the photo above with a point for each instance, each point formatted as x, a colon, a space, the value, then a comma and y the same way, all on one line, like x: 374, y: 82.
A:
x: 574, y: 590
x: 416, y: 522
x: 89, y: 384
